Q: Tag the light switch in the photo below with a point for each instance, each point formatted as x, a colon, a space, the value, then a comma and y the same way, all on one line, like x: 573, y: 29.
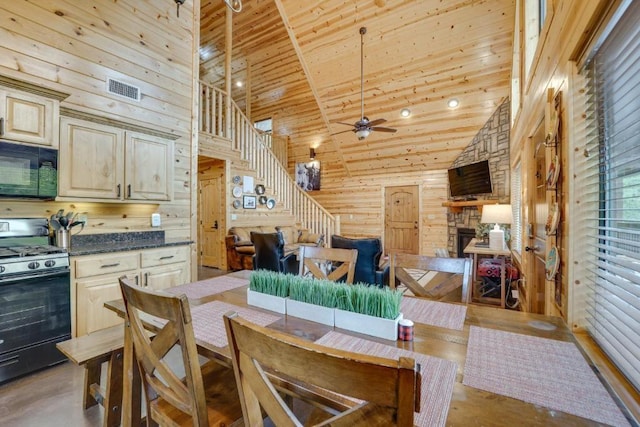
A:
x: 155, y: 220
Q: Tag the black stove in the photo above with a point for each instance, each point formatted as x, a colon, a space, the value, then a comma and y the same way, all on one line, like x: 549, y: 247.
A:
x: 35, y: 308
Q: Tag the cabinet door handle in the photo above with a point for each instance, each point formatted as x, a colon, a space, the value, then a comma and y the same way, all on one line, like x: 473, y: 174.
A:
x: 129, y: 191
x: 118, y: 191
x: 115, y: 264
x: 1, y: 125
x: 146, y: 279
x: 166, y: 257
x: 137, y: 280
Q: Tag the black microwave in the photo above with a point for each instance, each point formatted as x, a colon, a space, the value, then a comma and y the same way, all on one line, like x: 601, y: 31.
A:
x: 28, y: 171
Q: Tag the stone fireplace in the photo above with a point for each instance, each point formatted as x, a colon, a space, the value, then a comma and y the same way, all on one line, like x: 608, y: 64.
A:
x: 491, y: 143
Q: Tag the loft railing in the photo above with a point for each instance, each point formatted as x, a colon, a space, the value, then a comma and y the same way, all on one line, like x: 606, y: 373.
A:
x: 258, y: 151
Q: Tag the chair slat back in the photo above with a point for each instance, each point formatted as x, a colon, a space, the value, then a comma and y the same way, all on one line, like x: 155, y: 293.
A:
x: 314, y: 260
x: 430, y: 277
x: 158, y: 377
x: 390, y: 388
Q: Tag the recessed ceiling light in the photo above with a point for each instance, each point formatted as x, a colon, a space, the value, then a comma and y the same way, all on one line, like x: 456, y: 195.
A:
x: 453, y: 103
x: 405, y: 112
x: 239, y: 83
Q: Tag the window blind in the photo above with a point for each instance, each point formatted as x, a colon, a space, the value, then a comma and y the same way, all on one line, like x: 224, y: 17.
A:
x: 516, y: 205
x: 609, y: 194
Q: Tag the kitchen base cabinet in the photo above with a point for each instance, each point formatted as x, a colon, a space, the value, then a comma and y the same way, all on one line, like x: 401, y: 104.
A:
x: 94, y: 281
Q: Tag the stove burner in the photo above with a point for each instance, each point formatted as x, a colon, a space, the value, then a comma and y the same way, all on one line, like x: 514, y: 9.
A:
x: 25, y: 251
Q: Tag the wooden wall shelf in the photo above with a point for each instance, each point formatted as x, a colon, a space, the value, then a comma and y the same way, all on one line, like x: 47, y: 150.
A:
x: 456, y: 207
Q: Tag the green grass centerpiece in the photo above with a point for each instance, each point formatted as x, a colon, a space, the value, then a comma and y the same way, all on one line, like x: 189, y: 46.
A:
x: 360, y: 307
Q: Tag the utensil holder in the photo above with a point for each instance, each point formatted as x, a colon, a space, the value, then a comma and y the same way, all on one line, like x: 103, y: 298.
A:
x: 63, y: 238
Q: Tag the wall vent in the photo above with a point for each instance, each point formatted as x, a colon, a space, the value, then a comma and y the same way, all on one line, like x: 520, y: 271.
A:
x: 123, y: 89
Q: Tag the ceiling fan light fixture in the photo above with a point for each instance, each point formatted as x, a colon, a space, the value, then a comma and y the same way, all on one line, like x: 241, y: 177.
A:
x: 453, y: 103
x: 362, y: 133
x: 405, y: 112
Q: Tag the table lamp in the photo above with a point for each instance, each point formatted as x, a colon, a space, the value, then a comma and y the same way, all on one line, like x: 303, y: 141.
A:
x: 497, y: 214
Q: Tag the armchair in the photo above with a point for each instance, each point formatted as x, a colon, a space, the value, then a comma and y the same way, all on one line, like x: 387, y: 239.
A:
x: 270, y: 255
x: 368, y: 269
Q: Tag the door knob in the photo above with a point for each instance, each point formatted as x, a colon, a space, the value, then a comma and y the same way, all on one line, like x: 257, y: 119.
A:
x: 215, y: 225
x: 531, y: 249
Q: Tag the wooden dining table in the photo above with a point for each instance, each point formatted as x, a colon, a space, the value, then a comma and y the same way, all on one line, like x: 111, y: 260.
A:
x: 492, y: 349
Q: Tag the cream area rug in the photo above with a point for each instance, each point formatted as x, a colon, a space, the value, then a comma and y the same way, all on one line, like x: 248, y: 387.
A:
x: 438, y: 375
x: 204, y: 288
x: 208, y: 323
x: 434, y: 313
x: 542, y: 371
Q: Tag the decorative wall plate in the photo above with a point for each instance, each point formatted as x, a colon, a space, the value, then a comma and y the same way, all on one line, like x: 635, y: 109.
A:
x: 271, y: 203
x: 553, y: 219
x: 237, y: 204
x: 553, y: 173
x: 262, y: 200
x: 236, y: 179
x: 237, y: 191
x: 259, y: 189
x: 552, y: 263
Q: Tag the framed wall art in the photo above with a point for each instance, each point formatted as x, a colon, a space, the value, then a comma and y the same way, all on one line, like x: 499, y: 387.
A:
x: 308, y: 175
x: 249, y: 202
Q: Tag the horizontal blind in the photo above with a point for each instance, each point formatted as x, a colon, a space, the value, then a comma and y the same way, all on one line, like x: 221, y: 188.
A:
x: 609, y: 188
x: 516, y: 205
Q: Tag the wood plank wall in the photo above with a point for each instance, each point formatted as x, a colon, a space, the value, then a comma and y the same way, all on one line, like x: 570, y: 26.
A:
x: 360, y: 204
x: 73, y: 47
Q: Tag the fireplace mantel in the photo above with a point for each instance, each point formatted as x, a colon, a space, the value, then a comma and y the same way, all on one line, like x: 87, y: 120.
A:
x: 457, y: 206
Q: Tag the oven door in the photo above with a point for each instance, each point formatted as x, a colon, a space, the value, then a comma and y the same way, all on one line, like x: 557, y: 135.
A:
x: 34, y: 309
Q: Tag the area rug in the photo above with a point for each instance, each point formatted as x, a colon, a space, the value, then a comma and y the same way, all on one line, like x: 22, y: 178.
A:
x: 434, y: 313
x: 208, y: 323
x: 208, y: 287
x: 542, y: 371
x: 438, y: 375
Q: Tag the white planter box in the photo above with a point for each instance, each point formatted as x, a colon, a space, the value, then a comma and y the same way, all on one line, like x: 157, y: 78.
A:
x: 369, y: 325
x: 315, y: 313
x: 266, y: 301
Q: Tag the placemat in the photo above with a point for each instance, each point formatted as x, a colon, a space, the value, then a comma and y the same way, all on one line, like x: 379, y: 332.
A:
x: 434, y: 313
x: 438, y: 375
x: 207, y: 287
x: 208, y: 323
x: 542, y: 371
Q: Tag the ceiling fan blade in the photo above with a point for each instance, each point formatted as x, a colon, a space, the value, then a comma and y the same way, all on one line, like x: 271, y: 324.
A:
x: 377, y: 122
x: 383, y: 129
x: 343, y: 123
x: 344, y: 131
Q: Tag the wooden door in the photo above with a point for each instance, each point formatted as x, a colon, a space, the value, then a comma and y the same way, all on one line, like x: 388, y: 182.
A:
x: 401, y: 220
x: 540, y: 212
x: 211, y: 230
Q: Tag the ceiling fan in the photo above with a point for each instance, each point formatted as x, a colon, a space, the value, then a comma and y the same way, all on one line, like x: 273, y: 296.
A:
x: 363, y: 127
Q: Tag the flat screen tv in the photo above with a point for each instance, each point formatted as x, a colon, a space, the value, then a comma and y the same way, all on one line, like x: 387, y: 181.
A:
x: 468, y: 180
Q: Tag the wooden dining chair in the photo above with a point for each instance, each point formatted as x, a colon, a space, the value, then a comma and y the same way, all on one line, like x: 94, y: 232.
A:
x: 388, y: 388
x: 430, y: 277
x: 207, y: 395
x: 328, y: 263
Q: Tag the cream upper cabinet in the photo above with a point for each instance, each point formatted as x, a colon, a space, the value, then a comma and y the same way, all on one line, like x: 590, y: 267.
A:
x: 149, y: 167
x: 100, y: 161
x: 91, y: 160
x: 30, y: 118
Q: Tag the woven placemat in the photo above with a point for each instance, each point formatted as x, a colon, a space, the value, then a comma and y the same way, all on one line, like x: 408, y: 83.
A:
x: 438, y: 375
x: 208, y: 323
x: 434, y: 313
x: 204, y: 288
x: 542, y: 371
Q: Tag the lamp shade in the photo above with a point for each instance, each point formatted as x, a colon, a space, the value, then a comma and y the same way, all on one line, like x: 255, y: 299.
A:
x: 496, y: 214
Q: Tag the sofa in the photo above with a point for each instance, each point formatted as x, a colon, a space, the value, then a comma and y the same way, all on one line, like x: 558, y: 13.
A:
x: 240, y: 250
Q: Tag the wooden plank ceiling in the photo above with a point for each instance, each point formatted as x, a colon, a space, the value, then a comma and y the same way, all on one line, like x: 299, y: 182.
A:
x: 302, y: 61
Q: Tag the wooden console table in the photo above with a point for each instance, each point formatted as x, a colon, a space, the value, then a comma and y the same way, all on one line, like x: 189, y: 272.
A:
x: 474, y: 251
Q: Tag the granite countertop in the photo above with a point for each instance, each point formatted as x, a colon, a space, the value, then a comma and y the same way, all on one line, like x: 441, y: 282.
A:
x: 90, y: 244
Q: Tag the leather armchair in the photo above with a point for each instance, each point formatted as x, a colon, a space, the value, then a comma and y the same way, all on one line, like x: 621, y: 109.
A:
x: 368, y: 269
x: 270, y: 254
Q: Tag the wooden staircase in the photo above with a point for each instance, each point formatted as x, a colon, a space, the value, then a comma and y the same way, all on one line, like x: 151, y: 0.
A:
x: 220, y: 119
